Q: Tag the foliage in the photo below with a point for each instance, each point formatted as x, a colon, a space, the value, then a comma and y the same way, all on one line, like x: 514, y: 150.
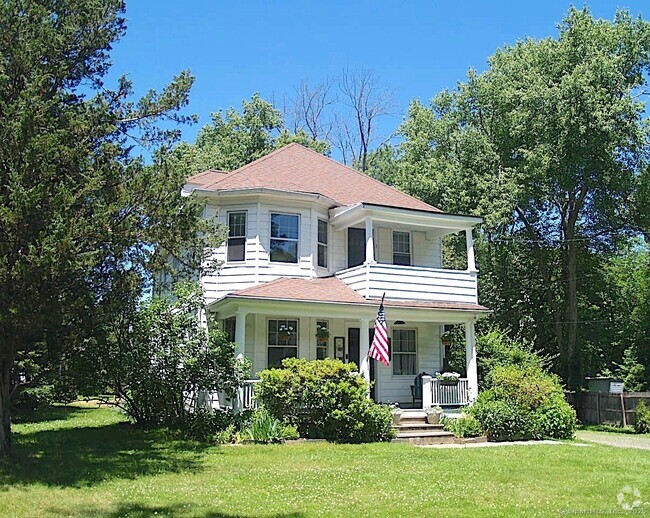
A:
x: 642, y: 423
x: 234, y: 139
x: 264, y: 428
x: 206, y: 425
x: 464, y: 426
x: 524, y: 403
x: 159, y: 357
x: 549, y: 143
x: 324, y: 399
x: 88, y: 219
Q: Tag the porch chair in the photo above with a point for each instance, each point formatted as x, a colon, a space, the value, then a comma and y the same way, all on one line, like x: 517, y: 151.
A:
x: 416, y: 388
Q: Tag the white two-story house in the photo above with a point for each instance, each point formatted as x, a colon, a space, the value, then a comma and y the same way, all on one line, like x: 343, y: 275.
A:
x: 312, y: 246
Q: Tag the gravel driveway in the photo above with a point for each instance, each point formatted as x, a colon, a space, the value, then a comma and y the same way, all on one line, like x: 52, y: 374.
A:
x: 613, y: 439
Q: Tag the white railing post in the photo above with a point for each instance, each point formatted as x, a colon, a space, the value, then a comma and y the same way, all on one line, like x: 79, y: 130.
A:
x: 427, y: 392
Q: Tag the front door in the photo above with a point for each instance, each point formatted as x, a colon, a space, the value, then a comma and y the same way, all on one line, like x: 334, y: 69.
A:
x: 356, y: 246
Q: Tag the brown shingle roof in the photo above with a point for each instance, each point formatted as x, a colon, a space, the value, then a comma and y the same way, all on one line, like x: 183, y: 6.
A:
x: 207, y: 177
x: 299, y: 169
x: 333, y: 290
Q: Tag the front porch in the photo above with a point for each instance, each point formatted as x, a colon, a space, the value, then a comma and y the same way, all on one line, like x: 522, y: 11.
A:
x: 268, y: 330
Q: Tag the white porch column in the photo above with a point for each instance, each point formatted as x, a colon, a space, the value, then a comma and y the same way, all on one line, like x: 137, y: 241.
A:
x: 470, y: 355
x: 427, y: 392
x: 471, y: 259
x: 240, y: 333
x: 370, y: 242
x: 364, y: 347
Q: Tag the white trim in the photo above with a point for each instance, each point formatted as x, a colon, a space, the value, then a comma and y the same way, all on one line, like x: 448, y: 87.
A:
x: 245, y: 236
x: 410, y: 235
x: 297, y: 241
x: 326, y: 245
x: 266, y: 332
x: 392, y: 352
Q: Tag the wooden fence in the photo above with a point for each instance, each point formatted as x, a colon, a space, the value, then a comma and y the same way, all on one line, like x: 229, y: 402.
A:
x: 605, y: 408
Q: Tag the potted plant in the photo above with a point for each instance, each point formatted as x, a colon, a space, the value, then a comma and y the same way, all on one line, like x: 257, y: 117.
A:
x: 284, y: 332
x: 434, y: 414
x: 322, y: 333
x: 445, y: 338
x: 448, y: 378
x: 396, y: 412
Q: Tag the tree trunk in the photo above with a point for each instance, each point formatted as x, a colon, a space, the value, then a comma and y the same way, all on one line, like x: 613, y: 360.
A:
x: 573, y: 363
x: 5, y: 416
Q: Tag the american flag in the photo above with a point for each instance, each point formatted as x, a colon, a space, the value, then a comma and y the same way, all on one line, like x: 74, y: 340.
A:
x: 379, y: 348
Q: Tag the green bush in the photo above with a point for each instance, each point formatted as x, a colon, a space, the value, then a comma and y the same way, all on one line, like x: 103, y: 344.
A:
x: 524, y: 403
x: 642, y: 423
x: 464, y: 426
x: 265, y: 428
x: 324, y: 399
x: 205, y: 425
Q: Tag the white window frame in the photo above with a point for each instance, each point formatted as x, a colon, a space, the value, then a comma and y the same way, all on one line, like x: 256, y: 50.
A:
x: 270, y: 346
x: 394, y: 352
x: 410, y: 253
x: 325, y: 245
x: 271, y: 238
x: 327, y: 344
x: 244, y: 237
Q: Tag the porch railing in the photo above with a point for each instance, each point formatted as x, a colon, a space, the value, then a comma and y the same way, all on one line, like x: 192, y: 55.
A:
x: 444, y: 394
x: 246, y: 395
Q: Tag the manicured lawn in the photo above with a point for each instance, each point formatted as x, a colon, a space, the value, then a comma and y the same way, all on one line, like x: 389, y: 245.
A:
x: 89, y: 462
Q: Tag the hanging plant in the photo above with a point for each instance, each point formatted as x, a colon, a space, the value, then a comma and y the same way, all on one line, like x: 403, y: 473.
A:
x: 322, y: 333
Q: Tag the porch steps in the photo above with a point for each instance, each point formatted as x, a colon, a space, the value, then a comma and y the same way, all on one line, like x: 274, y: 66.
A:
x: 414, y: 429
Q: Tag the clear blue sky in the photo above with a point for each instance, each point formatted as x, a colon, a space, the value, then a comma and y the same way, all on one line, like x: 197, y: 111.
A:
x: 236, y: 48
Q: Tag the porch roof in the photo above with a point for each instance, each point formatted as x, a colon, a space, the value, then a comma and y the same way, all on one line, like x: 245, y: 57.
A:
x: 331, y: 290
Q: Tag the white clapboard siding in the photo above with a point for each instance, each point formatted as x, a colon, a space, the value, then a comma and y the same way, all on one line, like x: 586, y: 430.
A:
x: 412, y: 283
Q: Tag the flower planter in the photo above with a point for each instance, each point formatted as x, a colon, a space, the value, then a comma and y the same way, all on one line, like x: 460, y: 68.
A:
x: 397, y: 417
x: 448, y: 382
x: 434, y: 417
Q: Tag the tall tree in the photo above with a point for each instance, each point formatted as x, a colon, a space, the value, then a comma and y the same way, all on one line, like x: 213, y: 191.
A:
x: 551, y: 144
x: 366, y: 102
x: 235, y: 139
x: 82, y: 219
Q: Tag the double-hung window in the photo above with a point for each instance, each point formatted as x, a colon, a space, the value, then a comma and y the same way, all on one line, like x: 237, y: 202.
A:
x: 402, y: 248
x: 282, y: 341
x: 284, y: 237
x: 404, y: 352
x: 236, y: 236
x: 322, y: 243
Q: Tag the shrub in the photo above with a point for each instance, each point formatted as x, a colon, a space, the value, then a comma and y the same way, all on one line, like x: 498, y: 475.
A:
x: 642, y: 423
x: 324, y: 399
x: 159, y: 356
x: 524, y: 403
x: 205, y: 425
x: 464, y: 426
x: 264, y: 428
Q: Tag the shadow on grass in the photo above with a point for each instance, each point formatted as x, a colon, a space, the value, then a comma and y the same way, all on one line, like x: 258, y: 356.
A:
x: 84, y: 456
x: 47, y: 413
x: 140, y: 510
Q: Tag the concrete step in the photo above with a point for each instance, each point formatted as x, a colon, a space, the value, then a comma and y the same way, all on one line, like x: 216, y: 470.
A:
x: 421, y: 438
x: 417, y: 426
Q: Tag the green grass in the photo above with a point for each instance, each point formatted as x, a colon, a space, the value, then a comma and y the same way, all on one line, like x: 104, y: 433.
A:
x: 90, y: 462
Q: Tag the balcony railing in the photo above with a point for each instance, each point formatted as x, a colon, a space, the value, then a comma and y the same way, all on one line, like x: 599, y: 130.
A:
x: 412, y: 283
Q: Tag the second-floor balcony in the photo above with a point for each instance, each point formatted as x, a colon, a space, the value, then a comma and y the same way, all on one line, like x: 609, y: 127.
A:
x: 405, y: 275
x: 418, y: 283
